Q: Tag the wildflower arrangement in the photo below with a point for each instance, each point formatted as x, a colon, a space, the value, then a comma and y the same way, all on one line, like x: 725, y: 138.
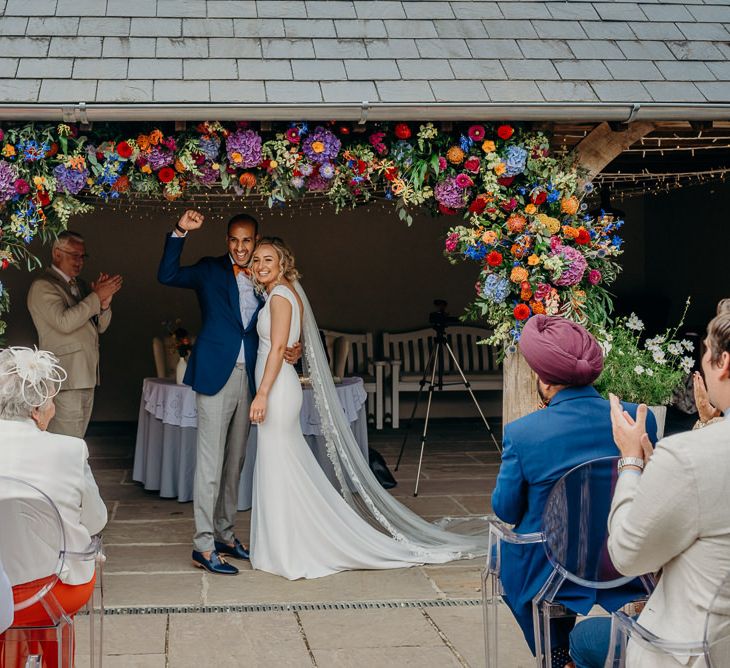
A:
x: 179, y: 340
x: 643, y: 370
x: 522, y: 206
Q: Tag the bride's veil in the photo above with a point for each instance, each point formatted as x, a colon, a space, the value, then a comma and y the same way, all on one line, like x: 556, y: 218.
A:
x: 364, y: 493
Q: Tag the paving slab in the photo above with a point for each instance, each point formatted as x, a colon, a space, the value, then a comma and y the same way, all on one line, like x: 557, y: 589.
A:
x: 153, y: 531
x: 455, y: 581
x: 130, y: 635
x: 149, y: 559
x: 141, y: 589
x: 387, y: 657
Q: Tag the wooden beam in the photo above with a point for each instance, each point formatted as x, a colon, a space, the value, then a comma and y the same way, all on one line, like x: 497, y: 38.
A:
x: 603, y: 145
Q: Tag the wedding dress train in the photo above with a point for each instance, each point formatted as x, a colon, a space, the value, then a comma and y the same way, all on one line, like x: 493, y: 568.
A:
x: 301, y: 527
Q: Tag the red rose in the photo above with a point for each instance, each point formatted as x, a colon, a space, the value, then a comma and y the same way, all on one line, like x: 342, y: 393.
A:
x: 124, y: 150
x: 494, y: 259
x: 390, y: 173
x: 521, y: 312
x: 43, y: 198
x: 583, y: 236
x: 506, y: 181
x: 472, y: 164
x: 478, y: 205
x: 505, y: 132
x: 362, y: 166
x: 402, y: 131
x: 446, y: 210
x: 539, y: 198
x: 99, y: 155
x: 509, y: 204
x: 166, y: 174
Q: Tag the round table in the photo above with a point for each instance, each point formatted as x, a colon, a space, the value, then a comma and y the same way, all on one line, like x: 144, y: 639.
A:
x: 164, y: 454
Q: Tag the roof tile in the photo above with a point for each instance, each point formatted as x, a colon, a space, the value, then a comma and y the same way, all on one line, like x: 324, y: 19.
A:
x: 459, y: 91
x: 306, y: 28
x: 529, y: 69
x: 655, y: 30
x: 558, y: 29
x: 633, y: 70
x: 45, y: 68
x: 546, y: 48
x: 331, y: 70
x: 442, y: 48
x: 42, y: 25
x: 232, y: 47
x: 8, y: 67
x: 126, y: 47
x: 644, y: 50
x: 673, y: 91
x: 425, y: 69
x: 102, y: 25
x: 666, y: 12
x: 495, y: 48
x: 348, y: 91
x: 384, y: 9
x: 689, y: 50
x: 410, y: 29
x: 513, y: 91
x: 82, y: 47
x: 100, y: 68
x: 331, y: 9
x: 293, y: 91
x: 237, y: 91
x: 20, y: 90
x: 155, y: 68
x: 235, y: 9
x: 210, y: 68
x: 619, y: 11
x: 359, y: 28
x: 369, y: 69
x: 509, y: 29
x: 718, y: 91
x: 525, y: 10
x: 181, y: 8
x: 428, y: 10
x: 391, y: 48
x: 269, y: 70
x: 473, y: 68
x: 460, y: 29
x: 207, y: 27
x: 582, y: 69
x: 621, y: 91
x: 567, y: 91
x: 177, y: 47
x: 595, y: 49
x: 579, y: 11
x: 26, y: 8
x: 178, y: 91
x: 76, y: 7
x: 130, y: 90
x: 337, y: 48
x: 149, y: 27
x: 404, y: 91
x: 67, y: 90
x: 607, y: 30
x: 258, y: 27
x: 685, y: 70
x: 477, y: 10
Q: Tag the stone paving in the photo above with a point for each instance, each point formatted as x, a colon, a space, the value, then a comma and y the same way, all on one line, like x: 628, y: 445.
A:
x: 164, y: 612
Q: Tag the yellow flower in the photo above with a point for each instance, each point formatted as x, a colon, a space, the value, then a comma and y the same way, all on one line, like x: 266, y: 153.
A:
x: 455, y: 155
x: 236, y: 157
x: 39, y: 182
x: 570, y: 205
x: 147, y: 169
x: 397, y: 186
x: 530, y: 209
x: 8, y: 150
x: 143, y: 142
x: 488, y: 146
x: 500, y: 168
x: 489, y: 237
x: 318, y: 146
x: 215, y: 166
x: 90, y: 181
x: 552, y: 225
x: 273, y: 164
x: 533, y: 260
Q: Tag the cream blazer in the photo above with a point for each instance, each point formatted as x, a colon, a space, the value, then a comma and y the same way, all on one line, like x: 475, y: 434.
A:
x: 676, y: 517
x: 7, y: 606
x: 58, y: 466
x: 69, y: 327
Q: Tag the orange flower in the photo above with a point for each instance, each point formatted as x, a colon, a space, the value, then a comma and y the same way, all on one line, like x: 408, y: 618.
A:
x: 318, y: 146
x: 146, y: 169
x: 570, y: 205
x: 121, y: 185
x: 488, y: 146
x: 143, y: 142
x: 489, y: 237
x: 569, y: 232
x: 8, y: 150
x: 77, y: 162
x: 518, y: 274
x: 455, y: 155
x: 500, y: 168
x: 537, y: 308
x: 247, y: 180
x: 530, y: 209
x: 236, y: 157
x: 397, y: 186
x: 521, y: 312
x: 525, y: 290
x: 516, y: 223
x: 533, y: 260
x: 156, y: 137
x: 179, y: 167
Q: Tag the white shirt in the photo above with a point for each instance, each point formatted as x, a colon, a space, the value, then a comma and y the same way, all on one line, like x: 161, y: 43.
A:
x: 74, y: 288
x: 247, y: 302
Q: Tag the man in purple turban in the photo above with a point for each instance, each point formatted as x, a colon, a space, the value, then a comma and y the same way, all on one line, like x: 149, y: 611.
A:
x: 539, y: 448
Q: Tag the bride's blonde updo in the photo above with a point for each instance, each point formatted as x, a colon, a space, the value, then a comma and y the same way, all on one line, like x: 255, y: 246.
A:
x: 287, y: 264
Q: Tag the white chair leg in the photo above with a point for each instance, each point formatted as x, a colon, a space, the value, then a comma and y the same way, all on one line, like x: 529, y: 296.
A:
x: 378, y: 397
x: 395, y: 397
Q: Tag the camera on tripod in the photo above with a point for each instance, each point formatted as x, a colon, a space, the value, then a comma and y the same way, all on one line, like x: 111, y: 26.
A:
x: 439, y: 318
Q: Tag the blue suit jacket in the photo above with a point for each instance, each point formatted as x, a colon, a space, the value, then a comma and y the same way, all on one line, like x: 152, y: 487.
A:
x: 217, y: 347
x: 538, y: 450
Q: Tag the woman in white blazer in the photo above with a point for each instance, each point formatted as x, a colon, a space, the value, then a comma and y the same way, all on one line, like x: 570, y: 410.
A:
x: 670, y: 512
x: 58, y: 466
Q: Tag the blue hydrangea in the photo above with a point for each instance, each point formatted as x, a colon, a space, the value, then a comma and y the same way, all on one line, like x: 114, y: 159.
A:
x: 402, y: 152
x: 515, y: 159
x: 553, y: 195
x: 496, y: 288
x: 476, y: 252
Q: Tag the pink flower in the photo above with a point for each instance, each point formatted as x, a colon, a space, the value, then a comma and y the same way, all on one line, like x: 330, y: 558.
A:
x: 509, y: 205
x: 541, y: 291
x: 477, y: 133
x: 472, y: 164
x: 452, y: 241
x: 170, y: 143
x: 292, y: 135
x: 2, y: 135
x: 442, y: 163
x: 594, y: 277
x: 555, y: 244
x: 464, y: 181
x: 22, y: 187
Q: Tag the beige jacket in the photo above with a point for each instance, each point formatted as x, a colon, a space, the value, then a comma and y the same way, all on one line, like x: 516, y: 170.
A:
x: 676, y: 517
x: 58, y: 466
x: 69, y: 327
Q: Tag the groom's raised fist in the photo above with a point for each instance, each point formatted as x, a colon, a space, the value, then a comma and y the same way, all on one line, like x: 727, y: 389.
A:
x: 190, y: 220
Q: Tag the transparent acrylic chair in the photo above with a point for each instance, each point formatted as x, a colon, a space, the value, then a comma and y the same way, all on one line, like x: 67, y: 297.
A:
x: 492, y: 590
x: 34, y: 549
x: 714, y: 647
x: 575, y: 532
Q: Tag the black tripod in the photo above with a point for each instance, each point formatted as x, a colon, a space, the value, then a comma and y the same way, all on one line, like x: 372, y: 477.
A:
x: 435, y: 369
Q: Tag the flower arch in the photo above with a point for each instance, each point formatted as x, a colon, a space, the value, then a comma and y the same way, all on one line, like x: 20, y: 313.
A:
x: 522, y: 207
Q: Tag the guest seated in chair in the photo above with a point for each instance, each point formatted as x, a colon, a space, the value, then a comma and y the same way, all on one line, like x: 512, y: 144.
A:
x: 57, y: 465
x: 539, y: 448
x: 670, y: 511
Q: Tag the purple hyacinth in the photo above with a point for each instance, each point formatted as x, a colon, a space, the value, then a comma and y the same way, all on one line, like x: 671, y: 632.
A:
x: 209, y: 147
x: 70, y: 180
x: 247, y: 145
x: 321, y: 146
x: 159, y: 157
x: 574, y: 266
x: 450, y: 194
x: 8, y: 177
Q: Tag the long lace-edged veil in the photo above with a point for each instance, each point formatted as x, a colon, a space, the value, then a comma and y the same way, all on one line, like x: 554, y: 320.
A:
x: 356, y: 482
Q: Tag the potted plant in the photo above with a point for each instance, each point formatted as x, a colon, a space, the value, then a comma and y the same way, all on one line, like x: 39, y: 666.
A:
x: 644, y: 370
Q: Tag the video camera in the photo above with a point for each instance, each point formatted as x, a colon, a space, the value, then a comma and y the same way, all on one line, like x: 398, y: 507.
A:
x: 440, y: 318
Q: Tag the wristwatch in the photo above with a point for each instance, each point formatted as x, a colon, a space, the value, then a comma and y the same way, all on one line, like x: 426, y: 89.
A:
x: 630, y: 461
x: 180, y: 230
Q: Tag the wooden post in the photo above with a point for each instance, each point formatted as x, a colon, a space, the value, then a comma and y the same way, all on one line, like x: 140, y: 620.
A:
x: 594, y: 153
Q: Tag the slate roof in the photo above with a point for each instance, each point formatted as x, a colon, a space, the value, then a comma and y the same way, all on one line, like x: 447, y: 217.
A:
x: 278, y: 52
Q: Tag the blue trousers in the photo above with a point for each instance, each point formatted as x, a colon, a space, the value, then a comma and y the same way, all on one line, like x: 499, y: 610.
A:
x: 589, y: 642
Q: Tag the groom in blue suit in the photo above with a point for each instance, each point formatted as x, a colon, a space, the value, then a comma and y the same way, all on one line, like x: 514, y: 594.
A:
x: 221, y: 371
x: 539, y: 448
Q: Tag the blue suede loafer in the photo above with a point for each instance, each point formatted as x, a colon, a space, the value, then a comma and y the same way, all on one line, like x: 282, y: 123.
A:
x: 238, y: 551
x: 213, y: 565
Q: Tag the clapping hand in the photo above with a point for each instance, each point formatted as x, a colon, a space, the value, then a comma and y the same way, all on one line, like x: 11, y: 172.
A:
x: 630, y: 435
x: 106, y: 287
x: 705, y: 409
x: 191, y: 220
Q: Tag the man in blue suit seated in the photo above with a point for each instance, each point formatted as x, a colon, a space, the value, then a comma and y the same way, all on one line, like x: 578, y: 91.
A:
x: 221, y: 371
x: 539, y: 448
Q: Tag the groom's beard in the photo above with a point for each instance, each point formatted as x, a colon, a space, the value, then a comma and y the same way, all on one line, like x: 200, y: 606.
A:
x: 545, y: 400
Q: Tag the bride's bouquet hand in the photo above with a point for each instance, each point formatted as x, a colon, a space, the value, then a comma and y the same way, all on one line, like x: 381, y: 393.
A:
x: 257, y: 414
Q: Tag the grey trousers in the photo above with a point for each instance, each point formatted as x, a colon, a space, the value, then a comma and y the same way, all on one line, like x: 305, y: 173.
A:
x: 223, y: 427
x: 73, y: 412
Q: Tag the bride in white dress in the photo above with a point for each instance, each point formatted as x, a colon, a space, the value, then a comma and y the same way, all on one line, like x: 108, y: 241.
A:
x: 301, y: 525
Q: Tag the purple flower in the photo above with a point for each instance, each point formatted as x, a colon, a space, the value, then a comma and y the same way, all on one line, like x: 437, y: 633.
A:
x: 450, y: 194
x: 306, y: 169
x: 159, y: 157
x: 574, y: 266
x: 243, y: 148
x: 321, y: 146
x: 327, y: 171
x: 594, y: 277
x: 209, y: 147
x: 69, y: 180
x: 8, y: 176
x: 208, y: 176
x: 317, y: 183
x: 297, y: 181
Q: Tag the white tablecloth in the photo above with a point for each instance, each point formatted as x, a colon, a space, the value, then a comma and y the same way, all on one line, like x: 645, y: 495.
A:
x: 164, y: 455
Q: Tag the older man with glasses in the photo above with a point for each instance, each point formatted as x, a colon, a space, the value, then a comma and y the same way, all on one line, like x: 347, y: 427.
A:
x: 69, y: 316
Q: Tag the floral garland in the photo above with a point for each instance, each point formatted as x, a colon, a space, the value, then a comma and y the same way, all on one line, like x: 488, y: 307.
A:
x: 502, y: 179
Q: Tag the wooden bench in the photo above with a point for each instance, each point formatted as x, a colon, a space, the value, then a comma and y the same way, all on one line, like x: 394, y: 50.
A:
x: 353, y: 355
x: 408, y: 354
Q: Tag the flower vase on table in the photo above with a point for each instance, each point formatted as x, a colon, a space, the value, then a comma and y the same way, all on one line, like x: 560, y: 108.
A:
x: 180, y: 369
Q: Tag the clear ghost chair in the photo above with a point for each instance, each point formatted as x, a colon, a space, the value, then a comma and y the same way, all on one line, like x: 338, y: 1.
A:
x: 714, y: 647
x: 33, y: 535
x: 492, y: 586
x: 575, y: 532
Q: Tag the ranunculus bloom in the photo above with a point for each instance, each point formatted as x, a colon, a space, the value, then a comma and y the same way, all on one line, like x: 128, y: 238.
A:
x: 533, y: 260
x: 500, y: 168
x: 488, y: 146
x: 292, y: 135
x: 43, y: 198
x: 489, y: 237
x: 402, y: 131
x: 521, y: 312
x: 494, y: 258
x: 124, y: 150
x: 472, y: 164
x: 464, y: 181
x: 166, y: 174
x: 539, y: 197
x: 583, y: 237
x: 594, y: 277
x: 455, y: 155
x: 442, y: 163
x: 476, y: 132
x: 518, y: 274
x: 22, y: 187
x: 478, y: 205
x: 505, y: 131
x: 530, y: 209
x: 570, y: 205
x: 506, y: 181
